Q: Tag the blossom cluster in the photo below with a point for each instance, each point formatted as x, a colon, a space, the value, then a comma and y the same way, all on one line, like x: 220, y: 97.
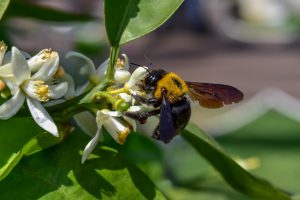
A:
x: 40, y: 80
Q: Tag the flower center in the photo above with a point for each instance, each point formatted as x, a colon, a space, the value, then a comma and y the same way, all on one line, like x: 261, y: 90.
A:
x: 123, y: 135
x: 41, y: 90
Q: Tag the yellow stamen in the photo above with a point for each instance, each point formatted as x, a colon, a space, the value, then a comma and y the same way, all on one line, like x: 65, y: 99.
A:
x: 120, y: 63
x: 41, y: 90
x: 118, y: 91
x: 123, y: 136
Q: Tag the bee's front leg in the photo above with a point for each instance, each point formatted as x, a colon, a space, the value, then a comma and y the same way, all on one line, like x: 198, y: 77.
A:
x: 150, y: 101
x: 141, y: 116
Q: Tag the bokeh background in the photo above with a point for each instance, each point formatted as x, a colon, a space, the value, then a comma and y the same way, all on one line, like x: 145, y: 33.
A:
x: 250, y: 44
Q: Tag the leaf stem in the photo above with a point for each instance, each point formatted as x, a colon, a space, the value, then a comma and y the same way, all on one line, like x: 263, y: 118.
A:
x: 114, y: 53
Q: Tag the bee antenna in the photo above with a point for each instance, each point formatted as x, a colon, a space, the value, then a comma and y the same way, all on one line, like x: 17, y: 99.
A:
x: 135, y: 64
x: 138, y: 65
x: 148, y: 59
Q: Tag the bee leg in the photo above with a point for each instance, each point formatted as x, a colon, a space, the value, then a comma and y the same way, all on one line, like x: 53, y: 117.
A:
x: 146, y: 88
x: 156, y: 134
x: 151, y: 101
x: 141, y: 116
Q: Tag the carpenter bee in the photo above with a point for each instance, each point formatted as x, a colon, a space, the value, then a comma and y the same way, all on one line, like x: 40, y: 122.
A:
x: 168, y: 94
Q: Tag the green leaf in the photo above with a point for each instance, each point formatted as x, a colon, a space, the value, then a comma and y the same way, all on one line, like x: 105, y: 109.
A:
x: 21, y: 8
x: 19, y: 143
x: 56, y: 173
x: 3, y: 7
x: 127, y: 20
x: 236, y: 176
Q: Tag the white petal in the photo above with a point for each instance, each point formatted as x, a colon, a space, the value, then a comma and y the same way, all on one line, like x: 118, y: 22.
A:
x: 6, y: 71
x: 101, y: 70
x: 12, y: 106
x: 11, y: 84
x: 91, y: 145
x: 115, y: 127
x: 136, y: 76
x: 37, y: 61
x: 89, y: 68
x: 111, y: 113
x: 49, y: 68
x: 122, y: 76
x: 71, y: 85
x: 41, y: 116
x: 87, y: 122
x: 126, y: 62
x: 57, y: 91
x: 126, y: 97
x: 8, y: 55
x: 131, y: 121
x: 20, y: 67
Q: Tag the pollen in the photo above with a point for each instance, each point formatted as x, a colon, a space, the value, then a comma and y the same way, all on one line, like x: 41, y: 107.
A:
x: 46, y: 53
x: 120, y: 63
x: 123, y: 136
x: 41, y: 90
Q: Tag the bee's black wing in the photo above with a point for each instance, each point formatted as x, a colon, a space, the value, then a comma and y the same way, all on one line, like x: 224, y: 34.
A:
x: 166, y: 125
x: 213, y: 95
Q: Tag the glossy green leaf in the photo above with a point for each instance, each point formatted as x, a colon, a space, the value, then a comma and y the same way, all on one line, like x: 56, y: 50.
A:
x: 127, y: 20
x: 56, y: 173
x: 236, y: 176
x: 21, y: 8
x: 3, y: 7
x: 21, y: 141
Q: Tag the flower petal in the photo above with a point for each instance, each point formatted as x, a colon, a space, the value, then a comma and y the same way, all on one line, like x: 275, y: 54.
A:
x: 136, y: 76
x: 59, y: 90
x: 121, y: 76
x: 89, y: 67
x: 101, y: 70
x: 87, y: 122
x: 41, y: 116
x: 126, y: 62
x: 12, y: 106
x: 20, y: 67
x: 6, y: 71
x: 49, y: 68
x: 11, y: 83
x: 37, y: 61
x: 71, y: 85
x: 91, y: 145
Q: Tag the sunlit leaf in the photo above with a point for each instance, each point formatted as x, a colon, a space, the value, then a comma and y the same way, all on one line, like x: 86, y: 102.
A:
x: 56, y: 173
x: 236, y: 176
x: 19, y: 141
x: 3, y: 7
x: 21, y: 8
x: 127, y: 20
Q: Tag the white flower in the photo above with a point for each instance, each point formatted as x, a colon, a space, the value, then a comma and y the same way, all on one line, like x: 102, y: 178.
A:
x: 88, y: 69
x: 137, y: 75
x: 116, y: 125
x: 35, y: 88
